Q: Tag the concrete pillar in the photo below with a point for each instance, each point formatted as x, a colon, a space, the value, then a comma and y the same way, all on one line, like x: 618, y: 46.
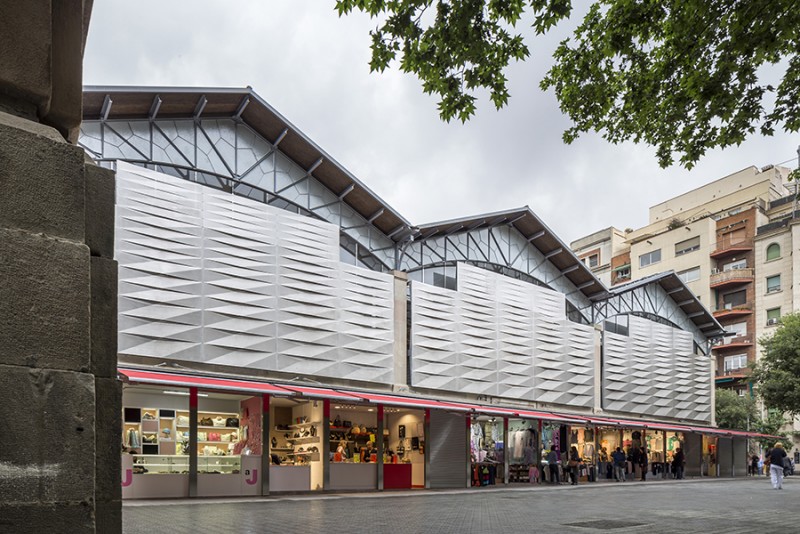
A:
x: 60, y: 400
x: 693, y: 452
x: 740, y: 459
x: 725, y: 457
x: 401, y: 330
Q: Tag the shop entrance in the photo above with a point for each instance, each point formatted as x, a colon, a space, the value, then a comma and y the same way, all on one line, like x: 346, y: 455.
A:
x: 404, y: 458
x: 487, y: 451
x: 709, y: 465
x: 353, y: 446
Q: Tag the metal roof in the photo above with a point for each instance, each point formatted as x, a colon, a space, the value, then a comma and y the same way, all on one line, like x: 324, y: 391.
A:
x: 243, y: 104
x: 536, y: 232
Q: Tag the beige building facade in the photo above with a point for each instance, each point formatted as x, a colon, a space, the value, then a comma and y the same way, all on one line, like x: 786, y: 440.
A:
x: 712, y: 238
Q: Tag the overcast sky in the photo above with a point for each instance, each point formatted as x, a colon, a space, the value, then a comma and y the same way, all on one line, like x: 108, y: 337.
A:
x: 312, y: 66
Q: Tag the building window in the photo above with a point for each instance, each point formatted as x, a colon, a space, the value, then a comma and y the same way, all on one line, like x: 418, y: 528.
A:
x: 736, y: 298
x: 738, y: 361
x: 690, y: 245
x: 737, y: 329
x: 773, y: 252
x: 689, y: 275
x: 624, y: 273
x: 734, y: 265
x: 773, y: 316
x: 650, y: 258
x: 741, y: 392
x: 592, y: 260
x: 773, y: 283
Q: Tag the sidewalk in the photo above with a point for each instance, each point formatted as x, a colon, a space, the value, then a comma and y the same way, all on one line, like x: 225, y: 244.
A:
x: 284, y: 497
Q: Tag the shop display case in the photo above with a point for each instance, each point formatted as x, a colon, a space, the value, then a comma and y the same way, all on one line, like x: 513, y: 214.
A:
x: 219, y: 465
x: 160, y: 464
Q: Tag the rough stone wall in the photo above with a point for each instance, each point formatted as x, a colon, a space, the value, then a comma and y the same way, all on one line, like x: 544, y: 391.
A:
x: 59, y: 395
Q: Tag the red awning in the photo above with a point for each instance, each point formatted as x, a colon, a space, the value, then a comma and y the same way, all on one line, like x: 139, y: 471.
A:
x: 203, y: 382
x: 322, y: 393
x: 412, y: 402
x: 252, y: 386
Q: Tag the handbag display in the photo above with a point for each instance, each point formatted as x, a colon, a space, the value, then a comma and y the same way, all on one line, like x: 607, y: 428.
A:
x: 232, y: 422
x: 337, y: 422
x: 202, y: 436
x: 214, y: 436
x: 183, y: 420
x: 219, y: 422
x: 206, y: 421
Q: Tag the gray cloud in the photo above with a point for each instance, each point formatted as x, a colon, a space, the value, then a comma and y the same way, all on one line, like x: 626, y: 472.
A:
x: 312, y: 66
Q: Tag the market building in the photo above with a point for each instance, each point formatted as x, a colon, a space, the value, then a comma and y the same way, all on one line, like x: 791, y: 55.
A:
x: 282, y: 328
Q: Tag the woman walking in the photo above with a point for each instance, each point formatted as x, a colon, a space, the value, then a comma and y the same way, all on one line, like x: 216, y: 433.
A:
x: 776, y: 456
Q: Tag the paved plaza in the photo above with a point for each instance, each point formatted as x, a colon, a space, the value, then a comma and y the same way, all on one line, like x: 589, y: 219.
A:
x: 708, y: 506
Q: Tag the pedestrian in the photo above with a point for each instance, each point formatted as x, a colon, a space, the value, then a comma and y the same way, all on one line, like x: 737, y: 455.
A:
x: 643, y: 462
x: 754, y: 465
x: 619, y: 464
x: 776, y: 456
x: 677, y: 463
x: 572, y: 464
x: 552, y: 466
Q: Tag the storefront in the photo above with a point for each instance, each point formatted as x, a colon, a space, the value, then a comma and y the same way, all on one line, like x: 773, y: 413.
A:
x: 523, y: 451
x: 254, y: 438
x: 709, y: 464
x: 487, y: 445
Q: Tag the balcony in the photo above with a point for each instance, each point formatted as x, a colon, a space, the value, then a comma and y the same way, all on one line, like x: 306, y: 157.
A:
x: 736, y: 342
x: 732, y: 375
x: 731, y: 278
x: 726, y: 247
x: 729, y: 311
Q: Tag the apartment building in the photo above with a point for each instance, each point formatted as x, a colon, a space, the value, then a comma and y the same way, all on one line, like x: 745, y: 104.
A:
x: 729, y: 241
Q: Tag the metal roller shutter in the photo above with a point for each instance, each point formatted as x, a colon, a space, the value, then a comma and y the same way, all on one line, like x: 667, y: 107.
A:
x: 448, y: 450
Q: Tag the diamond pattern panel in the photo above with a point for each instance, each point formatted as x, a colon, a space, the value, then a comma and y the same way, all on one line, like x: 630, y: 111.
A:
x: 654, y: 371
x: 500, y: 336
x: 211, y: 277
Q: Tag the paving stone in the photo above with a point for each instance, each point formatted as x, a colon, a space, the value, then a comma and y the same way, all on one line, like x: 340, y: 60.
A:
x: 690, y: 506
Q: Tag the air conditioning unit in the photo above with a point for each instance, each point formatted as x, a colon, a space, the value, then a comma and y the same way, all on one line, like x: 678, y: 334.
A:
x: 729, y: 306
x: 772, y: 321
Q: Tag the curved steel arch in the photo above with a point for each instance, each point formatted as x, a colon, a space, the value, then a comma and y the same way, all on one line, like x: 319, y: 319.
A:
x: 230, y: 155
x: 502, y: 246
x: 649, y: 301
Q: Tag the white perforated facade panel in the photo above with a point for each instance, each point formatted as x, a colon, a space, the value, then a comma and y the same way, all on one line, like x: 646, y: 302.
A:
x: 654, y: 371
x: 501, y: 337
x: 207, y: 276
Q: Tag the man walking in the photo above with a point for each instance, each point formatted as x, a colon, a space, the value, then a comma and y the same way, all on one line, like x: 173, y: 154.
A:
x: 619, y: 464
x: 677, y: 463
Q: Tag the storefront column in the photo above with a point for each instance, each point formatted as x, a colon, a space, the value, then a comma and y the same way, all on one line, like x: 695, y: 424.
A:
x: 266, y: 458
x: 539, y: 445
x: 667, y: 465
x: 646, y: 453
x: 427, y: 457
x: 192, y: 442
x: 325, y: 445
x: 379, y: 444
x: 469, y: 450
x: 505, y: 450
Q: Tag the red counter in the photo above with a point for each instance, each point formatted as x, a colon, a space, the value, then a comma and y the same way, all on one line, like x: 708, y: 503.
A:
x: 397, y: 476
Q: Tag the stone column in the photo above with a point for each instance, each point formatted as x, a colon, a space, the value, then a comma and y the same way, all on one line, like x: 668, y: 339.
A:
x: 59, y: 395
